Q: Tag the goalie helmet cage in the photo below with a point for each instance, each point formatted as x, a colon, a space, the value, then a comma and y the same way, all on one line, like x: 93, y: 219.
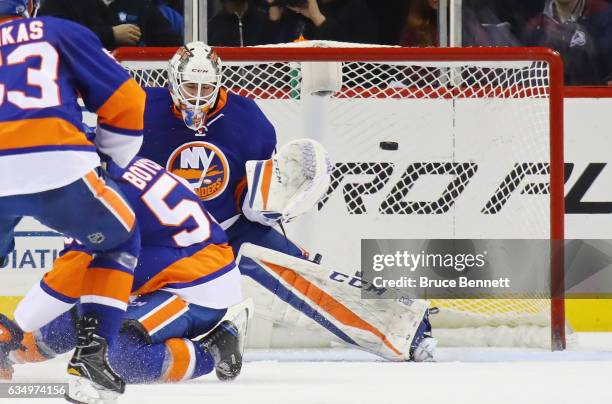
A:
x: 458, y: 112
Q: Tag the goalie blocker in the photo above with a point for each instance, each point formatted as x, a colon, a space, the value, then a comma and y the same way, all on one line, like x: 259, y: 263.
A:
x: 397, y: 330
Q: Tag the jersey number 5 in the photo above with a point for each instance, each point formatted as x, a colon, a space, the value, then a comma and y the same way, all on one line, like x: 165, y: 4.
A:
x: 45, y: 77
x: 176, y: 216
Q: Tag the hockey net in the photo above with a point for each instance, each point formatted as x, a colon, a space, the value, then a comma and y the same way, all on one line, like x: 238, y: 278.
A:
x: 427, y: 143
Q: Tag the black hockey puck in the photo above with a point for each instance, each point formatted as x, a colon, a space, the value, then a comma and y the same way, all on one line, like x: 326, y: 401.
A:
x: 389, y: 145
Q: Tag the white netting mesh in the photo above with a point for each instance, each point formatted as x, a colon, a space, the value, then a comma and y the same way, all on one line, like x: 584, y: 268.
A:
x: 473, y: 156
x: 282, y: 80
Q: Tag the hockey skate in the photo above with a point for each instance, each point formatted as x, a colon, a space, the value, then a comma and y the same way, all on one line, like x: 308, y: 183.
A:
x: 92, y: 380
x: 226, y: 341
x: 423, y: 345
x: 10, y: 339
x: 223, y: 343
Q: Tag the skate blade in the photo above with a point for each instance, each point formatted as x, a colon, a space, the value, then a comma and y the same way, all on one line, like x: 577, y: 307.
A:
x: 238, y: 310
x: 84, y: 391
x: 241, y: 320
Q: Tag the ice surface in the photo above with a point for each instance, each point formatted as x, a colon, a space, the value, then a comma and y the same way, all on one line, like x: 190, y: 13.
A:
x: 346, y: 376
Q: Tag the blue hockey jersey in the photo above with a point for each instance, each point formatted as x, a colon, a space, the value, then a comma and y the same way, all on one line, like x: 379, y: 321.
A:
x: 168, y: 213
x: 212, y: 162
x: 45, y: 65
x: 182, y: 246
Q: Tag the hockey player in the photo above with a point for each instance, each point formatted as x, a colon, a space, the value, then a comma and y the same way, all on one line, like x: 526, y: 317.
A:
x: 185, y: 281
x: 222, y: 144
x: 50, y: 169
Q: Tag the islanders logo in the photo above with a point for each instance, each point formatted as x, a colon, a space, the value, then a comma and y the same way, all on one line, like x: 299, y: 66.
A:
x: 203, y: 165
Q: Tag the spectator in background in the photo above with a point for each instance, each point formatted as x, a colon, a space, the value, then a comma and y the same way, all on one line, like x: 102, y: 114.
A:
x: 338, y: 20
x: 238, y: 24
x: 117, y: 22
x: 389, y: 16
x: 484, y: 25
x: 515, y: 12
x: 284, y: 24
x: 177, y: 5
x: 581, y: 30
x: 421, y: 25
x: 170, y: 11
x: 334, y: 20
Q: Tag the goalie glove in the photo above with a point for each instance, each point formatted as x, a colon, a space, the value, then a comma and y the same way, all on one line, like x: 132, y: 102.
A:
x: 287, y: 185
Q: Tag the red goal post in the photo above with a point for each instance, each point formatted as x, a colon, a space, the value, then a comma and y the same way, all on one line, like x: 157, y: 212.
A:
x: 521, y: 87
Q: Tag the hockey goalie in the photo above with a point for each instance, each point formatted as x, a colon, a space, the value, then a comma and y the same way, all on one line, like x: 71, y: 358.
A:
x: 222, y: 144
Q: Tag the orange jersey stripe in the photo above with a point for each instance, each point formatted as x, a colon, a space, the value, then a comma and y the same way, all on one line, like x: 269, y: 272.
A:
x: 40, y: 132
x: 180, y: 360
x: 68, y: 273
x: 169, y: 310
x: 107, y: 283
x: 7, y: 19
x: 112, y: 200
x: 265, y: 182
x: 5, y: 334
x: 71, y: 277
x: 207, y: 261
x: 125, y: 108
x: 31, y: 353
x: 221, y: 101
x: 328, y: 303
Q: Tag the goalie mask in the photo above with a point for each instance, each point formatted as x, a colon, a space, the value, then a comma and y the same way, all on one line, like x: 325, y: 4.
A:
x: 194, y: 76
x: 24, y: 8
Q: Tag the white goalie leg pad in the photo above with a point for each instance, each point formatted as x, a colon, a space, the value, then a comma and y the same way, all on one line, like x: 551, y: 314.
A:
x: 385, y: 327
x: 289, y: 184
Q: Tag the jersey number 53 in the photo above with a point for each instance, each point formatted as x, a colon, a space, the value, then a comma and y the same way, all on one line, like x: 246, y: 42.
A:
x: 45, y: 77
